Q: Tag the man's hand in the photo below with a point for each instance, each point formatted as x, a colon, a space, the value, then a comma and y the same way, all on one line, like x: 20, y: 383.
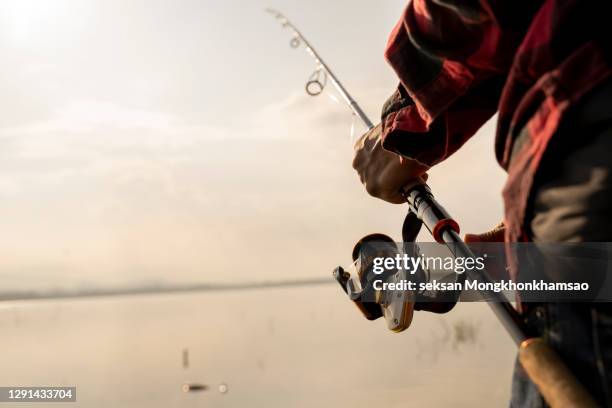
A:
x: 495, y: 235
x: 496, y: 270
x: 382, y: 172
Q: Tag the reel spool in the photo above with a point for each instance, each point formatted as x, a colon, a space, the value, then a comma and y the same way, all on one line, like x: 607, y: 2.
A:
x: 397, y: 306
x: 360, y: 282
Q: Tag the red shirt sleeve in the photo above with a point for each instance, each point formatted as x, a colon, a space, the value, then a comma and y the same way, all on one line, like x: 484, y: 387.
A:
x: 452, y: 59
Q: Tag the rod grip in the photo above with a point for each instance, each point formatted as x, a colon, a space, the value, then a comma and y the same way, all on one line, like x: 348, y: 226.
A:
x: 554, y: 380
x: 434, y: 216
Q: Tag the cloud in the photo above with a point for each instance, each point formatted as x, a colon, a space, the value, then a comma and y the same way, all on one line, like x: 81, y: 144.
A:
x: 121, y: 189
x: 106, y: 191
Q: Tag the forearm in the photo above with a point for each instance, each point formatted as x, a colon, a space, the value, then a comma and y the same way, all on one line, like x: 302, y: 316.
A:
x: 451, y: 61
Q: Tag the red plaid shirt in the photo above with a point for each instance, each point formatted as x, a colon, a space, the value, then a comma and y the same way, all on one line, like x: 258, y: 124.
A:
x: 461, y: 61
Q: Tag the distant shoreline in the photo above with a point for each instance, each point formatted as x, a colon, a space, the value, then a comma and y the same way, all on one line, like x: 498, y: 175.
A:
x: 159, y: 289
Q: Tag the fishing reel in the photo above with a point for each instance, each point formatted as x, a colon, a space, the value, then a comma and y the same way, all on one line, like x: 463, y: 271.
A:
x: 395, y: 293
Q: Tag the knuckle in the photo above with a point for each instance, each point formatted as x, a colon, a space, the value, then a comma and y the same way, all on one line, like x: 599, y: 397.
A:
x: 356, y: 162
x: 372, y: 189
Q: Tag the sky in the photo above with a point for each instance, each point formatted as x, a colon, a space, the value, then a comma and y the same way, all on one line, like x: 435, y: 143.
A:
x: 172, y: 141
x: 158, y: 141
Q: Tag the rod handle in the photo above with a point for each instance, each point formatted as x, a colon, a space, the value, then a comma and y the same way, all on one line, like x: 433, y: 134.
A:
x: 554, y: 380
x: 435, y: 218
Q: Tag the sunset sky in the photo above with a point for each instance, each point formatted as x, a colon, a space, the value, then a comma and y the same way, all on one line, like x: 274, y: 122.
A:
x: 159, y: 141
x: 172, y: 141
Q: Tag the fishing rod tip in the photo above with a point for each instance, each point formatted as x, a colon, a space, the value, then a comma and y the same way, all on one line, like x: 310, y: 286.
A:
x: 277, y: 14
x: 272, y: 11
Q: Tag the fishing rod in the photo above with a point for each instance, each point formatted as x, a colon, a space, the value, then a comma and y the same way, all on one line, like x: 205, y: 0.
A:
x: 421, y: 201
x: 317, y: 81
x: 542, y: 364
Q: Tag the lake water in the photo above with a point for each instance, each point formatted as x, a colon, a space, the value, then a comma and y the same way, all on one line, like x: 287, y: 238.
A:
x: 282, y: 347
